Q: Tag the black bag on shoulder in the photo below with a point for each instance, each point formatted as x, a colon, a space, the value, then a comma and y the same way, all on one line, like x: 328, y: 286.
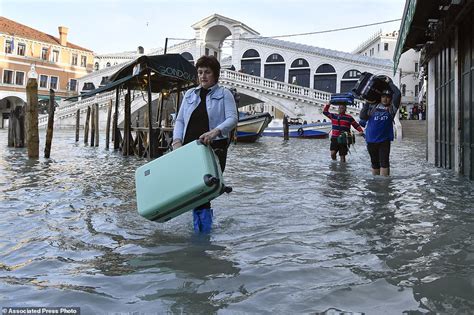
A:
x: 369, y: 87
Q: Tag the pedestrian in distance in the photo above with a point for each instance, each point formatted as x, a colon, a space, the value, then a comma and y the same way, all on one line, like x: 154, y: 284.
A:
x: 340, y: 133
x: 379, y: 131
x: 208, y: 113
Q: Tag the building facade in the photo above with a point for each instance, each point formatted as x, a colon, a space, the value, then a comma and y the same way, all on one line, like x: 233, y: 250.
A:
x: 382, y: 45
x: 443, y: 32
x: 58, y: 63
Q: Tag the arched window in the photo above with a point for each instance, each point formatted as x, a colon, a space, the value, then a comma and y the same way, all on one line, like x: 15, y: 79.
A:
x: 300, y: 63
x: 349, y: 79
x: 300, y: 72
x: 96, y: 66
x: 404, y: 89
x: 275, y: 68
x: 188, y: 57
x: 250, y: 62
x: 251, y: 53
x: 351, y: 74
x: 325, y: 68
x: 275, y: 58
x: 108, y: 64
x: 325, y: 78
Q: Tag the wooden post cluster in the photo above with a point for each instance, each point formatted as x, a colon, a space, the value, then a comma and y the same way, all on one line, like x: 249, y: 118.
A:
x: 140, y: 137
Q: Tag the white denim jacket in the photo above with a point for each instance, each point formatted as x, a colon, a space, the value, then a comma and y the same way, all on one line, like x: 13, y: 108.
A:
x: 221, y: 110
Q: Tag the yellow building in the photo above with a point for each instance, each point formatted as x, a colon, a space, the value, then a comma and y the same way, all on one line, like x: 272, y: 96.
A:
x: 57, y: 62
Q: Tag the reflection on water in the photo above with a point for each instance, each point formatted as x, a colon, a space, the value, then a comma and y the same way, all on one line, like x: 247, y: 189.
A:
x: 299, y: 234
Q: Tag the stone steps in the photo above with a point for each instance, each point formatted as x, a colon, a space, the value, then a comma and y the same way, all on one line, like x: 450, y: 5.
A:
x: 414, y: 129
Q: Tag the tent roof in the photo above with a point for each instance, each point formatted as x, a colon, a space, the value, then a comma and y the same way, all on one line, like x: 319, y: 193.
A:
x: 167, y: 72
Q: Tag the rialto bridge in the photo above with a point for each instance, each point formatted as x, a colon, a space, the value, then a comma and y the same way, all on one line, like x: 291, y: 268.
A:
x: 297, y: 79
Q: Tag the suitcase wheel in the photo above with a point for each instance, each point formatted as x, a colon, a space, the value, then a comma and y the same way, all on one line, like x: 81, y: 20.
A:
x: 210, y: 180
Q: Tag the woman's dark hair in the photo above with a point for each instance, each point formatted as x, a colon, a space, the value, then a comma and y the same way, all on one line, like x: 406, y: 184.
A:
x: 210, y: 62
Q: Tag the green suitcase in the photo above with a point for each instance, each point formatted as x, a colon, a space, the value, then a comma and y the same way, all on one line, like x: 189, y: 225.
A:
x: 178, y: 182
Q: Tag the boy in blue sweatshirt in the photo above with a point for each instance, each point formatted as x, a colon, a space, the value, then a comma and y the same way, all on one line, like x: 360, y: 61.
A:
x: 379, y: 129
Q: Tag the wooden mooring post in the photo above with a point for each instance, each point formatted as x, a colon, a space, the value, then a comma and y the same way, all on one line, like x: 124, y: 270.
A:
x: 86, y: 125
x: 96, y: 124
x: 78, y: 121
x: 286, y: 133
x: 49, y: 131
x: 92, y: 142
x: 32, y: 136
x: 127, y: 125
x: 116, y: 132
x: 107, y: 126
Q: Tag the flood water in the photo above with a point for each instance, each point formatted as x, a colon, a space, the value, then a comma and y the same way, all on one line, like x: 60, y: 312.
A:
x: 299, y: 234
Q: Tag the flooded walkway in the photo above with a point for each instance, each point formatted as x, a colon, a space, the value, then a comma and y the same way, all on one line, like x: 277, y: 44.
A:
x: 299, y: 234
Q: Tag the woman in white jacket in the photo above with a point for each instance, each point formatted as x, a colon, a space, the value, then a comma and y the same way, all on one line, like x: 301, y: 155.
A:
x: 208, y: 112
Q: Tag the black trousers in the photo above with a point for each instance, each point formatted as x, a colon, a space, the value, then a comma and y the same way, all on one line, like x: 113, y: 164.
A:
x: 379, y: 154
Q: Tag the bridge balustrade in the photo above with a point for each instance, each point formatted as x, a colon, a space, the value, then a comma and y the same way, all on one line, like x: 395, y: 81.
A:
x: 314, y: 97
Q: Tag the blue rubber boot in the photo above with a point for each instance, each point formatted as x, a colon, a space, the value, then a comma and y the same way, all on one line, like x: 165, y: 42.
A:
x: 202, y: 219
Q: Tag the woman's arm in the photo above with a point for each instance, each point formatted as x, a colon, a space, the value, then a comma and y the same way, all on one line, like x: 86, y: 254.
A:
x: 231, y: 116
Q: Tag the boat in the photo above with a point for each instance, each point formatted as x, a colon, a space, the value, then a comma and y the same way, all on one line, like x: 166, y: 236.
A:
x: 299, y: 129
x: 250, y: 127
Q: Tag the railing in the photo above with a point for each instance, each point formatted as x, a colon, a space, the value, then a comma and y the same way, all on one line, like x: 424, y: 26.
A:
x: 138, y: 100
x: 313, y: 96
x: 263, y: 85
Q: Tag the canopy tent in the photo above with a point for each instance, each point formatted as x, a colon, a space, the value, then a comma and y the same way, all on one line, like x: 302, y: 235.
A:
x: 169, y: 73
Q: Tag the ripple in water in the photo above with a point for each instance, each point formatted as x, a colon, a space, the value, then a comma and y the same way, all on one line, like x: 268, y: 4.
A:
x: 299, y: 234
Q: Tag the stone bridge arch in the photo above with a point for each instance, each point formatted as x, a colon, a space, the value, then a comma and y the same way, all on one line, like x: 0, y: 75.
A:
x: 288, y: 106
x: 213, y: 30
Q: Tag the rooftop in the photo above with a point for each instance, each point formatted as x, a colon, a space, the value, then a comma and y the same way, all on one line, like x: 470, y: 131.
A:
x: 322, y: 51
x: 16, y: 29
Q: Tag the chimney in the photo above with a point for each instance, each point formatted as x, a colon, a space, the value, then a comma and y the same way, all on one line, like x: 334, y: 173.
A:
x: 63, y: 35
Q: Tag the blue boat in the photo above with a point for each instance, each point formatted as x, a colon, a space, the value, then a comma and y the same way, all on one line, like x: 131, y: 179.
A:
x: 318, y: 130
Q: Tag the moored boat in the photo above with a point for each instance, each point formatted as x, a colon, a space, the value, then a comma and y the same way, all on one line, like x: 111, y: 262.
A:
x: 250, y: 127
x: 317, y: 130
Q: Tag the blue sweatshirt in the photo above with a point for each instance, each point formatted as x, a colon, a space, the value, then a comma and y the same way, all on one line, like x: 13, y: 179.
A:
x: 380, y: 118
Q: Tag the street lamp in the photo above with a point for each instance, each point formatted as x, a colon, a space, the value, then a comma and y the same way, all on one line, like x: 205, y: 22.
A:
x: 32, y: 74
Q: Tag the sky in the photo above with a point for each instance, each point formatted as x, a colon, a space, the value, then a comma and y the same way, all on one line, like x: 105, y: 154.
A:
x: 110, y: 26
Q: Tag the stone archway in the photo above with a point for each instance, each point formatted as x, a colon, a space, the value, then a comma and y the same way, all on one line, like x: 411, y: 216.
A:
x: 214, y: 39
x: 8, y: 104
x: 213, y: 30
